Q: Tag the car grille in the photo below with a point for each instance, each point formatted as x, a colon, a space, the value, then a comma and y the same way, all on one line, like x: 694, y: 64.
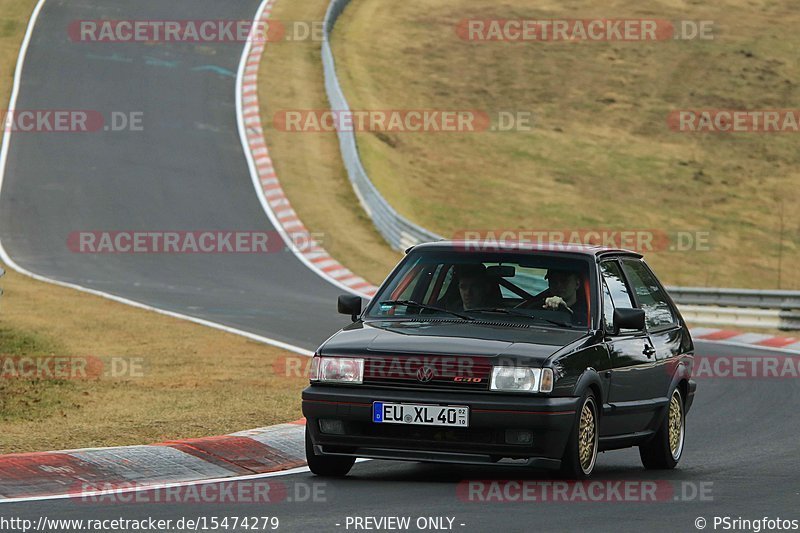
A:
x: 429, y: 372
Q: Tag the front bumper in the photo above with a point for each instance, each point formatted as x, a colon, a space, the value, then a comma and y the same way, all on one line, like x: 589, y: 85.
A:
x: 549, y: 419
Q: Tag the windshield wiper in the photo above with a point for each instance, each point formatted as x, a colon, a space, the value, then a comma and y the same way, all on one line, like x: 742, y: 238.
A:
x: 512, y: 312
x: 412, y: 303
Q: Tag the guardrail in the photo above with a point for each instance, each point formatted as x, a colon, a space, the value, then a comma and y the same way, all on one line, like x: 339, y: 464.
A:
x: 732, y: 307
x: 739, y: 307
x: 778, y: 300
x: 741, y: 317
x: 398, y: 231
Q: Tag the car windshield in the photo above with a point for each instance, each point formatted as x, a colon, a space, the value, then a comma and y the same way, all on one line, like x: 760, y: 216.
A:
x: 507, y: 287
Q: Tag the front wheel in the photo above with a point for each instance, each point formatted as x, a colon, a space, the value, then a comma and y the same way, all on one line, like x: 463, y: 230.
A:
x: 324, y: 465
x: 581, y: 453
x: 665, y: 449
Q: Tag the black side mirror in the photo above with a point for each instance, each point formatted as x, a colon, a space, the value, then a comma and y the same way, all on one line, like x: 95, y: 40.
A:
x: 350, y: 305
x: 625, y: 318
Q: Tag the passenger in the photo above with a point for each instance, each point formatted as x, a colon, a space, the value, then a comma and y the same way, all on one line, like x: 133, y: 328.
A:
x: 476, y: 288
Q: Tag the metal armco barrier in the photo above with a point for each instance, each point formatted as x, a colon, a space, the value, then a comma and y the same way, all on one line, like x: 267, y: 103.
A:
x: 398, y: 231
x: 782, y: 300
x: 739, y: 307
x: 732, y: 307
x: 741, y: 317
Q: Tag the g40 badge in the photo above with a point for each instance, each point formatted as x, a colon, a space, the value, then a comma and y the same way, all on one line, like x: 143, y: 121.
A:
x: 467, y: 379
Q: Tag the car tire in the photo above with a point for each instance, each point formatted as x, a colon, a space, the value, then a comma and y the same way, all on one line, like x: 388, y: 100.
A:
x: 580, y: 455
x: 664, y: 450
x: 324, y: 465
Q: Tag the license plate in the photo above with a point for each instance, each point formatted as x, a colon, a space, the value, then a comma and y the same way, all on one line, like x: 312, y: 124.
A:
x: 420, y: 415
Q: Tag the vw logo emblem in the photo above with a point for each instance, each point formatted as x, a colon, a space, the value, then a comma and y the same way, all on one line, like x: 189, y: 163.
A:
x: 425, y: 374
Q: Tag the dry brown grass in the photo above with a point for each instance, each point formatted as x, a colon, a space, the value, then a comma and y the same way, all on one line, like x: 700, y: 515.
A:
x: 600, y: 155
x: 14, y: 15
x: 195, y: 381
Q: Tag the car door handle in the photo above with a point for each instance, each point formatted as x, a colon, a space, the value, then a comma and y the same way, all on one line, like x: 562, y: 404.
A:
x: 649, y: 351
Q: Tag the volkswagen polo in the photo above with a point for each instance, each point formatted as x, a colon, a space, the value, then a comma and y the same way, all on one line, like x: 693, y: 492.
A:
x: 535, y: 356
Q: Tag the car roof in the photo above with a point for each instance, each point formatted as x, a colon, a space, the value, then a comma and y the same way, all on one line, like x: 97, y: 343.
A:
x: 592, y: 250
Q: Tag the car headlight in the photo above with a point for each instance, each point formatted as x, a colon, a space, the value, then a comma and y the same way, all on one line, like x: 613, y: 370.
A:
x: 521, y: 379
x: 337, y: 370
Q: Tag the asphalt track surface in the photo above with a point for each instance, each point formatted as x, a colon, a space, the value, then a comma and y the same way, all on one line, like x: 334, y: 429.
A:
x: 187, y: 171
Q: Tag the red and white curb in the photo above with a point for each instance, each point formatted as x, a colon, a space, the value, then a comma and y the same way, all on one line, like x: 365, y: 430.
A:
x: 272, y: 194
x: 257, y: 451
x: 760, y: 340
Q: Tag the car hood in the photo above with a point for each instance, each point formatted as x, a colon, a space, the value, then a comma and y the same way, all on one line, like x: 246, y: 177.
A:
x: 387, y: 338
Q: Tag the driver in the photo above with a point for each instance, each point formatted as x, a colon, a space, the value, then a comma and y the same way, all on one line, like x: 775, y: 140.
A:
x: 564, y: 294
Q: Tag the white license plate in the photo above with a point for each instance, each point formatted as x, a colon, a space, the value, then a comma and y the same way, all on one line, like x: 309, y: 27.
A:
x: 421, y: 415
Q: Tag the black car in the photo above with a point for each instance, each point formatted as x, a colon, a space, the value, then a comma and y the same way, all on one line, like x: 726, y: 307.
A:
x: 525, y: 355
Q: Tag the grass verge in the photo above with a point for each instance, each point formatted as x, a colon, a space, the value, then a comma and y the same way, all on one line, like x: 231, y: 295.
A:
x: 14, y: 16
x: 187, y: 380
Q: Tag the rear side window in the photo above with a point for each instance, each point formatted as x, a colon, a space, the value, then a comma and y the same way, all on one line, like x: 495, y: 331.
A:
x: 651, y: 297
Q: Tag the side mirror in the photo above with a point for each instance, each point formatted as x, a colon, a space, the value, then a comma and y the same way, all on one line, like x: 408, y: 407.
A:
x: 350, y: 305
x: 626, y: 318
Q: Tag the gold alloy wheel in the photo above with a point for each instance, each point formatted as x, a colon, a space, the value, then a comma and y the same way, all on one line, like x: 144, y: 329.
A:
x: 587, y: 437
x: 675, y: 425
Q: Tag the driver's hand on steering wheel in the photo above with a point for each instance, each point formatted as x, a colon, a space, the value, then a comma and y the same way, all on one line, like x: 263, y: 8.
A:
x: 555, y: 303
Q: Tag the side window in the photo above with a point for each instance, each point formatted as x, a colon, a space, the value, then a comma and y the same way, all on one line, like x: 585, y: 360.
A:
x: 615, y: 284
x: 608, y: 307
x: 652, y: 299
